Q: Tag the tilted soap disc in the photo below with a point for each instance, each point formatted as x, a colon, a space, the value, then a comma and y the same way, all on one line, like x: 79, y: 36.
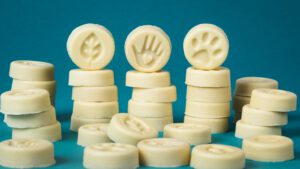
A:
x: 148, y: 48
x: 91, y: 46
x: 206, y: 46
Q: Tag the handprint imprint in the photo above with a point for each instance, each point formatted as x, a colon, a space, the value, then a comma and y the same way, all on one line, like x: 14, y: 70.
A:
x: 207, y: 48
x: 91, y: 48
x: 150, y: 52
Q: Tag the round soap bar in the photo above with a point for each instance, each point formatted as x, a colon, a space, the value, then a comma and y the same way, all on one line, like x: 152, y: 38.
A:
x: 268, y: 148
x: 30, y: 101
x: 111, y: 156
x: 91, y: 78
x: 127, y: 129
x: 148, y: 80
x: 245, y: 85
x: 219, y: 77
x: 146, y: 109
x: 31, y: 120
x: 164, y: 152
x: 206, y: 46
x: 77, y: 122
x: 207, y: 110
x: 219, y: 125
x: 90, y: 134
x: 259, y: 117
x: 244, y: 130
x: 50, y: 86
x: 31, y: 70
x: 217, y: 156
x: 273, y: 100
x: 95, y: 110
x: 157, y: 95
x: 51, y: 132
x: 26, y: 153
x: 239, y: 101
x: 95, y: 94
x: 148, y: 48
x: 208, y: 94
x: 158, y: 122
x: 91, y: 46
x: 190, y: 133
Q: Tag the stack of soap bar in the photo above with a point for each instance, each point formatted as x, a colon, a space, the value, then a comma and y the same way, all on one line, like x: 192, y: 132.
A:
x: 148, y: 50
x: 208, y: 85
x: 91, y: 47
x: 28, y: 74
x: 30, y: 114
x: 243, y: 89
x: 266, y: 113
x: 26, y: 153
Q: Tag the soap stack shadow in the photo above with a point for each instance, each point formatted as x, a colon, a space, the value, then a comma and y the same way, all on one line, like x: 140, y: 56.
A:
x: 266, y: 113
x: 95, y: 97
x: 30, y: 114
x: 243, y: 89
x: 33, y: 75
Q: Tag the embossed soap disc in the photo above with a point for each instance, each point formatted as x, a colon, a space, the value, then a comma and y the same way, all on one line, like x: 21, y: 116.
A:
x: 26, y: 153
x: 206, y: 46
x: 217, y: 156
x: 31, y: 70
x: 148, y: 48
x: 164, y: 152
x: 128, y: 129
x: 91, y: 46
x: 111, y: 156
x: 50, y: 86
x: 268, y: 148
x: 219, y: 125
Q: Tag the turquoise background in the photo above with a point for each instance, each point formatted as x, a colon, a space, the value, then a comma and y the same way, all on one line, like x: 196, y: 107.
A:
x: 264, y: 41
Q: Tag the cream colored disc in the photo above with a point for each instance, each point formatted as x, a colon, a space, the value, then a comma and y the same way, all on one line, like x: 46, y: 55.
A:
x: 245, y: 85
x: 208, y: 94
x: 268, y: 148
x: 219, y: 125
x: 30, y: 101
x: 147, y: 109
x: 244, y: 130
x: 148, y: 48
x: 95, y: 110
x: 217, y: 156
x: 219, y: 77
x: 127, y: 129
x: 50, y: 86
x: 164, y: 152
x: 259, y: 117
x: 95, y: 94
x: 273, y: 100
x: 51, y: 132
x: 90, y: 134
x: 91, y: 78
x: 26, y: 153
x: 207, y: 110
x: 148, y: 80
x: 77, y: 122
x: 190, y: 133
x: 206, y: 46
x: 156, y: 95
x: 31, y: 70
x: 91, y: 46
x: 111, y: 156
x: 45, y: 118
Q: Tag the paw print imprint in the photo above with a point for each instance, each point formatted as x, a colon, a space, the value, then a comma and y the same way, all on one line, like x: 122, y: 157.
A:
x: 110, y: 147
x: 150, y: 52
x: 207, y: 48
x: 134, y: 125
x: 91, y: 48
x: 21, y: 143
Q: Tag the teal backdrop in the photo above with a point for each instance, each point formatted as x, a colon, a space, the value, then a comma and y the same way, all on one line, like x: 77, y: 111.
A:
x: 264, y: 41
